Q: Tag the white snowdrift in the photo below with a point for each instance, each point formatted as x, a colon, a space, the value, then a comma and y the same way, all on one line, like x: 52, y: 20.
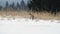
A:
x: 28, y: 26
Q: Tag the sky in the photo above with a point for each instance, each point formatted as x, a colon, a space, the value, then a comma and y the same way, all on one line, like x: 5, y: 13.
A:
x: 2, y: 2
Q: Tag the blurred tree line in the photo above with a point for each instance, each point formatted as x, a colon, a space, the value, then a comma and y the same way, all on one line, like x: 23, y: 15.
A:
x: 14, y: 6
x: 52, y: 6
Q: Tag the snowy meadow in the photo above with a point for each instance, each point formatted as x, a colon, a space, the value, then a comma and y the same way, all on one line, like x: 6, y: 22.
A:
x: 28, y: 26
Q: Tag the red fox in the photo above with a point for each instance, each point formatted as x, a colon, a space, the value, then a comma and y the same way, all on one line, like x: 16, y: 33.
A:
x: 32, y: 16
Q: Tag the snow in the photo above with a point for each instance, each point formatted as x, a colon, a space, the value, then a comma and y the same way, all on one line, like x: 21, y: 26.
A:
x: 28, y: 26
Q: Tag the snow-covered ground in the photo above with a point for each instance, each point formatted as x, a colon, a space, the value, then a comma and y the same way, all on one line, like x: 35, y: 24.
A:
x: 28, y: 26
